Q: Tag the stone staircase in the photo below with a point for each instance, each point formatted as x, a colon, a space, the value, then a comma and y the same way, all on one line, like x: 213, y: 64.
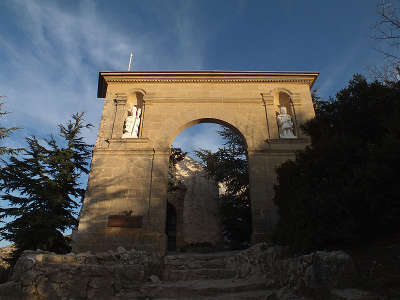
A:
x: 201, y: 276
x: 103, y: 277
x: 265, y: 274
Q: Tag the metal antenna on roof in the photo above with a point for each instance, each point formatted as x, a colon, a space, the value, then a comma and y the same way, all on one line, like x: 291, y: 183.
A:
x: 130, y: 61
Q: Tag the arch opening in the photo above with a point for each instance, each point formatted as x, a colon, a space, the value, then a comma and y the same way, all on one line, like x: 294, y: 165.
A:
x: 210, y: 187
x: 209, y: 121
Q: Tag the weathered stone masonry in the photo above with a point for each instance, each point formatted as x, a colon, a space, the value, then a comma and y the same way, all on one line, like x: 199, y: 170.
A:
x: 129, y: 176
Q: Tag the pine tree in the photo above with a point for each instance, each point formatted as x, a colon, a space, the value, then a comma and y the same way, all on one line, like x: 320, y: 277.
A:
x: 42, y: 189
x: 4, y: 133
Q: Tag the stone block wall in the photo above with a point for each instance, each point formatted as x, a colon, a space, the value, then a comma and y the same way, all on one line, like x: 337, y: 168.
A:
x: 197, y: 206
x: 131, y: 174
x: 40, y: 275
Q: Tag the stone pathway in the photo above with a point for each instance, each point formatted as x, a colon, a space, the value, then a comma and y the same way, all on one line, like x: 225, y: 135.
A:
x: 201, y: 276
x: 262, y: 272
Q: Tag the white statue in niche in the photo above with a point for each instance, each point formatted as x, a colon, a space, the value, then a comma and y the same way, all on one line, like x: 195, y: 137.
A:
x: 285, y: 125
x: 132, y: 122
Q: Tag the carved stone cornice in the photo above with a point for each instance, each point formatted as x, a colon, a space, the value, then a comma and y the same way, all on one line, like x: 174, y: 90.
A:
x: 123, y: 152
x: 247, y: 100
x: 215, y: 77
x: 120, y: 99
x: 199, y: 80
x: 129, y: 140
x: 126, y: 152
x: 289, y: 141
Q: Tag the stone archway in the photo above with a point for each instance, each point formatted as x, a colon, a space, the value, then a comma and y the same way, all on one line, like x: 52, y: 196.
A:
x: 204, y: 227
x: 130, y: 174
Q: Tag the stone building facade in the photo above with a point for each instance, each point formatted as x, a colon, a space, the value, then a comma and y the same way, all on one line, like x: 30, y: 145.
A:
x: 195, y: 201
x: 126, y: 197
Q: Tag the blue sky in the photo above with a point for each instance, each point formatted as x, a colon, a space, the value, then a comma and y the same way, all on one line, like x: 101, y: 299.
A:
x: 51, y: 51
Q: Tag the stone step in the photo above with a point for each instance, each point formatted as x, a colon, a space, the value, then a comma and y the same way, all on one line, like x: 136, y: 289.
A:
x: 194, y: 274
x: 197, y: 261
x: 200, y: 256
x: 250, y: 295
x: 197, y: 288
x: 196, y: 264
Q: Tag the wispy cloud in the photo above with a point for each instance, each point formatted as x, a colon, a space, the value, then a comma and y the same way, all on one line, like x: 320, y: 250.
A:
x: 50, y: 53
x: 52, y: 65
x: 338, y: 71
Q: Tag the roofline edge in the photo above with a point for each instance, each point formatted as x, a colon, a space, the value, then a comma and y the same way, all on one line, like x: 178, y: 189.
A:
x: 102, y: 84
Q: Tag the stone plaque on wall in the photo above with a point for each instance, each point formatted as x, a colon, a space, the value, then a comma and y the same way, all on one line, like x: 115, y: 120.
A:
x: 125, y: 221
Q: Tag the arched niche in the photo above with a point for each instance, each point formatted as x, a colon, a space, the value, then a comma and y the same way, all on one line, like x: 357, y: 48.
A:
x: 135, y: 98
x: 284, y: 99
x: 135, y: 102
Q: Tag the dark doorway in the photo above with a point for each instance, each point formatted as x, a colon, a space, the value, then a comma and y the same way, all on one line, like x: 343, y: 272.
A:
x: 170, y: 229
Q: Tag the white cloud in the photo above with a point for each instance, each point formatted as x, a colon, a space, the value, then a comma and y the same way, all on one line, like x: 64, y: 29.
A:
x: 55, y: 59
x: 50, y: 55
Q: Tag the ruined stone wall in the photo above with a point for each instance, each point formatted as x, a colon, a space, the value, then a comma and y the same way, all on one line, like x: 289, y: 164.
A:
x: 40, y: 275
x: 200, y: 217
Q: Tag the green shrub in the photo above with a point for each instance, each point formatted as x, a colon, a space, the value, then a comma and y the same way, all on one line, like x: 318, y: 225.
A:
x: 344, y: 186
